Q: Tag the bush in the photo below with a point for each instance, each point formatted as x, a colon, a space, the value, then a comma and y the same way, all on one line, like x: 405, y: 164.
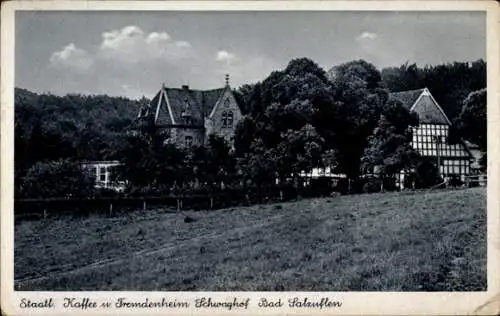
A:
x: 321, y: 186
x: 60, y: 178
x: 357, y: 185
x: 426, y: 175
x: 455, y: 181
x: 372, y: 186
x: 409, y: 180
x: 390, y: 184
x: 288, y: 189
x: 342, y: 186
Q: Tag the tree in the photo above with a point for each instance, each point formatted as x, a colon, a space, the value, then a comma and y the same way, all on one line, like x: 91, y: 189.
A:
x: 249, y: 99
x: 483, y: 161
x: 359, y: 91
x: 279, y: 107
x: 211, y: 167
x: 60, y: 178
x: 426, y: 174
x: 149, y: 161
x: 361, y: 71
x: 403, y: 78
x: 213, y: 163
x: 389, y: 150
x: 399, y: 117
x: 244, y: 135
x: 77, y: 126
x: 258, y: 167
x: 300, y: 150
x: 471, y: 124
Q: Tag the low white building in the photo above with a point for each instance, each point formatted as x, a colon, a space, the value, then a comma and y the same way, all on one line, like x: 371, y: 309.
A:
x: 102, y: 171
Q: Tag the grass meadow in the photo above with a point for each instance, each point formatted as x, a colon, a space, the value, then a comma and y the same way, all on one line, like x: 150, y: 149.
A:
x: 409, y: 241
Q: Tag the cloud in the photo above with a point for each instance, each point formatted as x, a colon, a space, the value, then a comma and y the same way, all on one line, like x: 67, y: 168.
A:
x: 132, y: 45
x: 126, y: 61
x: 72, y: 57
x: 376, y: 52
x: 131, y: 62
x: 129, y: 45
x: 127, y: 37
x: 182, y: 44
x: 225, y: 57
x: 366, y: 36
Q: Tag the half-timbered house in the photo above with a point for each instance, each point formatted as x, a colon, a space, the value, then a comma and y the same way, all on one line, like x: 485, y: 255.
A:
x: 430, y: 138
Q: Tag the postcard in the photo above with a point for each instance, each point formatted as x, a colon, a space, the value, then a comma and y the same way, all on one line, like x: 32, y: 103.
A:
x: 250, y: 157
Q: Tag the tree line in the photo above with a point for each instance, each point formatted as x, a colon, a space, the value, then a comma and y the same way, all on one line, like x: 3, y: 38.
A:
x: 296, y: 119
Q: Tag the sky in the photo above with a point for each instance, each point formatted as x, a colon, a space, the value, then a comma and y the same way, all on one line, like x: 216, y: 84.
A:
x: 132, y: 54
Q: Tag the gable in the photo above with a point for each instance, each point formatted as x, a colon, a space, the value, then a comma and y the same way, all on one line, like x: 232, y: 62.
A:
x: 421, y: 102
x: 429, y: 112
x: 210, y: 99
x: 162, y: 112
x: 226, y: 101
x: 169, y: 104
x: 157, y: 110
x: 177, y: 99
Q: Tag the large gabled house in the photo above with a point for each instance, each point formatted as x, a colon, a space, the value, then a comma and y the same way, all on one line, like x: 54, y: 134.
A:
x: 430, y: 138
x: 188, y: 116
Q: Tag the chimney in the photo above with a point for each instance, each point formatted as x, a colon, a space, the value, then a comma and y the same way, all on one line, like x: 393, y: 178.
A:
x: 185, y: 87
x: 227, y: 79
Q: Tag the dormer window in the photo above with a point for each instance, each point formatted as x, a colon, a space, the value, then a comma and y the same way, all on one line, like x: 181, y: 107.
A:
x: 229, y: 119
x: 187, y: 119
x: 186, y: 114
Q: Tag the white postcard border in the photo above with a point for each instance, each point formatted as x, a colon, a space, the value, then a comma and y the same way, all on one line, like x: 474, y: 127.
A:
x: 353, y: 303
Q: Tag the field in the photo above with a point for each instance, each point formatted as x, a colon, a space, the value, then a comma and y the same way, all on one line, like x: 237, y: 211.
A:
x: 415, y: 241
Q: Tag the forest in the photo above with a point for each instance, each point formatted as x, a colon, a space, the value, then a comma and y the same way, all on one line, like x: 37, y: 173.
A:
x: 296, y: 119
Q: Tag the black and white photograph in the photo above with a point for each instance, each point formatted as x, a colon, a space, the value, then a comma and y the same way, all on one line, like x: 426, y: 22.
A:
x: 250, y: 151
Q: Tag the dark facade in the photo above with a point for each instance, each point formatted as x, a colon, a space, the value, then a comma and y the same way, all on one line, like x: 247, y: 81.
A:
x: 189, y: 116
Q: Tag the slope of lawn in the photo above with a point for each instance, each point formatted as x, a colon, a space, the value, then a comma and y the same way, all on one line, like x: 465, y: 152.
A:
x: 416, y: 241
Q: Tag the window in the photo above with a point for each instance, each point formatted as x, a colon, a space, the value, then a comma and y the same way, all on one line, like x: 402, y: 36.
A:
x: 224, y: 119
x: 102, y: 174
x: 227, y: 103
x: 227, y: 119
x: 188, y: 141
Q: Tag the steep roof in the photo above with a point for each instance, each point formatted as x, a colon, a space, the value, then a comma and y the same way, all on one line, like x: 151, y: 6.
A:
x: 210, y: 98
x: 169, y: 104
x: 423, y: 103
x: 407, y: 98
